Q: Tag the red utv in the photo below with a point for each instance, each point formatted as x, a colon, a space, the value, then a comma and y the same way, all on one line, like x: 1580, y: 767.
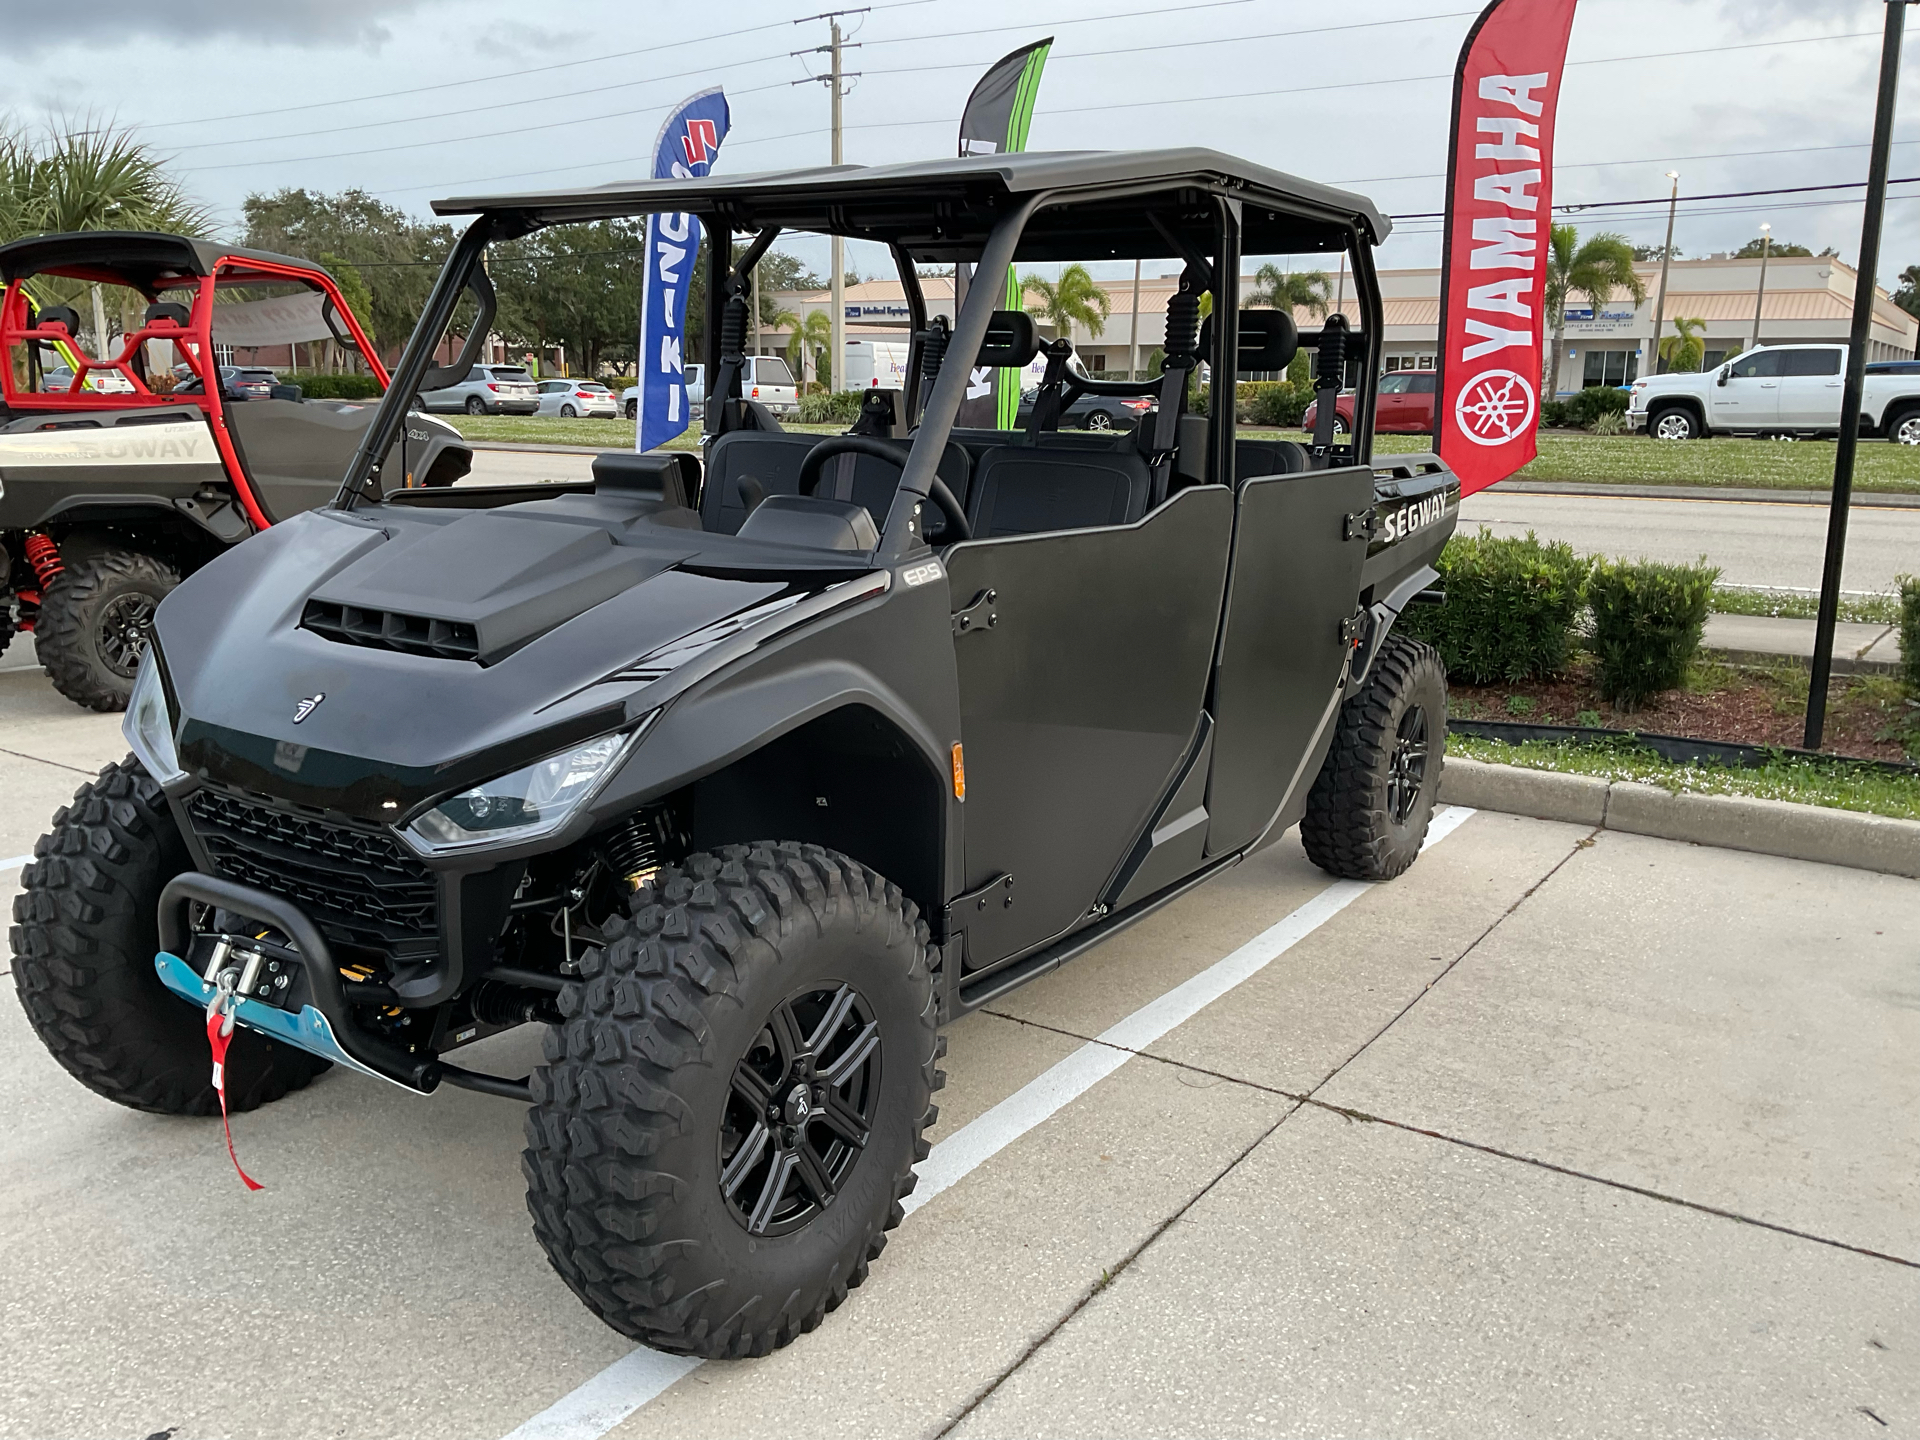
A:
x: 123, y: 472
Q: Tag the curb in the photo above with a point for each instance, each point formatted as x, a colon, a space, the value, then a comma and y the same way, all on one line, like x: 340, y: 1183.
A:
x: 1766, y: 659
x: 1731, y: 822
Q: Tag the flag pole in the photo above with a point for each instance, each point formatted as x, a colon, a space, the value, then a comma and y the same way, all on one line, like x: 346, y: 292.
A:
x: 1861, y: 335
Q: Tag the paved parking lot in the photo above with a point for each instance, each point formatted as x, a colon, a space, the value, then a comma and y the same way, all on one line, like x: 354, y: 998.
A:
x: 1560, y: 1134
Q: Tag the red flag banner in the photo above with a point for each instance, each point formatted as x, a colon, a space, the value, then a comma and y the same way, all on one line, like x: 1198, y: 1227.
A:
x: 1499, y: 223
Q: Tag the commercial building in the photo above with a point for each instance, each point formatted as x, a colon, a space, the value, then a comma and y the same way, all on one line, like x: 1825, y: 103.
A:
x: 1806, y: 300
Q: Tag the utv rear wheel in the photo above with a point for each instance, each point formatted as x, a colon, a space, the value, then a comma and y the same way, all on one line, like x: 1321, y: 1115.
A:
x: 734, y: 1104
x: 96, y: 622
x: 1368, y: 811
x: 84, y: 937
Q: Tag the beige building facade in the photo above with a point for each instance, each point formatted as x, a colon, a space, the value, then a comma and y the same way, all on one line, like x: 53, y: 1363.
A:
x: 1807, y: 300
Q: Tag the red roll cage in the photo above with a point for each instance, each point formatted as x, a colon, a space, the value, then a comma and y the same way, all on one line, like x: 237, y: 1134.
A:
x: 193, y: 342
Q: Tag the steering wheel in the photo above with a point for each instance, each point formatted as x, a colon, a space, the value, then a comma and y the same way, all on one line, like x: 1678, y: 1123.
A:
x: 937, y: 491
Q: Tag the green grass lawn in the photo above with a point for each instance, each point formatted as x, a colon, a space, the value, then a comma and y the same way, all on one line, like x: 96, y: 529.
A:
x: 1737, y: 464
x: 1835, y: 784
x: 1604, y: 459
x: 1866, y: 609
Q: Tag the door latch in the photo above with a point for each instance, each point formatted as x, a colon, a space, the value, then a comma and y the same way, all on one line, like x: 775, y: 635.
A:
x: 979, y: 613
x: 1353, y: 629
x: 1361, y: 525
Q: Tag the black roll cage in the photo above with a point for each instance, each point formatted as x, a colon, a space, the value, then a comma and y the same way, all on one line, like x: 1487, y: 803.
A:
x: 1224, y: 201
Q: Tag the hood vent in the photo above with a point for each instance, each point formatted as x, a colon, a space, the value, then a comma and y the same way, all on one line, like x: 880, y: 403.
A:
x: 391, y: 630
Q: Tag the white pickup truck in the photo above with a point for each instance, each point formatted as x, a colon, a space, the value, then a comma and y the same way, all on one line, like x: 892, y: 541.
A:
x: 1775, y: 390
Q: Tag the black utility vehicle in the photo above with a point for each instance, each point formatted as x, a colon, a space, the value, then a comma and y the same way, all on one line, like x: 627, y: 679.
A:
x: 121, y: 472
x: 742, y: 776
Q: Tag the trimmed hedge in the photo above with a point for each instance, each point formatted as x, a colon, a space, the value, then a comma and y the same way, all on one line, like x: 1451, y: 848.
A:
x: 842, y: 407
x: 1590, y: 404
x: 334, y: 387
x: 1910, y: 633
x: 1510, y: 609
x: 1647, y: 622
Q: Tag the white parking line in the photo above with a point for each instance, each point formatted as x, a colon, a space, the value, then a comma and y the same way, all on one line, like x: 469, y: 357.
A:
x: 640, y: 1376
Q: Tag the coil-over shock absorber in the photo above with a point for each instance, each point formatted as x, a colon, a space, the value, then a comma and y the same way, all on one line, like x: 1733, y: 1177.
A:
x: 636, y: 851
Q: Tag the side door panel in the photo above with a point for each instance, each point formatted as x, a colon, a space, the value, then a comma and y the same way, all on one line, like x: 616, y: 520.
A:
x: 1294, y: 579
x: 296, y: 451
x: 1751, y: 396
x: 1810, y: 387
x: 1077, y: 705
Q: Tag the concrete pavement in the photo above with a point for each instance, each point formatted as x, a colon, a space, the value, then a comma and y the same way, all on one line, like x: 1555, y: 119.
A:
x: 1757, y: 543
x: 1558, y: 1133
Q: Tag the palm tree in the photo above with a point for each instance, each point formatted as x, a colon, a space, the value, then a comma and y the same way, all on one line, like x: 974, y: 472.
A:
x: 83, y: 176
x: 1075, y: 297
x: 1682, y: 350
x: 810, y: 340
x: 1595, y: 269
x: 1310, y: 290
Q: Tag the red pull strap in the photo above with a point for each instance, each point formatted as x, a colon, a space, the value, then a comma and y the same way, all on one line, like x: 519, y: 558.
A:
x: 219, y: 1036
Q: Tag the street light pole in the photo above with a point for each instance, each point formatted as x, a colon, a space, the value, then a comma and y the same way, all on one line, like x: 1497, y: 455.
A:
x: 1858, y: 340
x: 1666, y: 259
x: 835, y: 80
x: 1759, y: 298
x: 837, y: 380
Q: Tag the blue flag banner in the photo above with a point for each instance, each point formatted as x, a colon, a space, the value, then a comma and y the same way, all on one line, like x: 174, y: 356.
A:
x: 688, y: 143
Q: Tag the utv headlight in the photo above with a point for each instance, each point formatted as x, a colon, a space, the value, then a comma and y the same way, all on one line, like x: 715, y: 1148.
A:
x: 524, y: 805
x: 148, y: 725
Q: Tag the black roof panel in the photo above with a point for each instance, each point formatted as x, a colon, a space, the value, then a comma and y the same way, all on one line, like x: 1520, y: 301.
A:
x: 141, y: 256
x: 869, y: 197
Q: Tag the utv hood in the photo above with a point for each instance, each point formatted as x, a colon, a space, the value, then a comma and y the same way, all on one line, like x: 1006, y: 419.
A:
x: 366, y: 661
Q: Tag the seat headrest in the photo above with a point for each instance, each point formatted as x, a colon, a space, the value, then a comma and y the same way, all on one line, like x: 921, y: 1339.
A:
x: 1268, y: 340
x: 167, y: 310
x: 1011, y: 341
x: 63, y: 315
x: 653, y: 475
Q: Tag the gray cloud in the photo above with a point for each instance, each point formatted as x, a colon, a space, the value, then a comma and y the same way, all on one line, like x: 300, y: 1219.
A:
x: 116, y: 24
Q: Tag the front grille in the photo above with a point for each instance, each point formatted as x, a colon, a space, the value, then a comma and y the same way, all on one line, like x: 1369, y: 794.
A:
x: 390, y: 630
x: 360, y: 886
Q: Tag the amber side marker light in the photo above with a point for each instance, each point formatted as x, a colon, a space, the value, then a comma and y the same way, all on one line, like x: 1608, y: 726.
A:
x: 959, y: 772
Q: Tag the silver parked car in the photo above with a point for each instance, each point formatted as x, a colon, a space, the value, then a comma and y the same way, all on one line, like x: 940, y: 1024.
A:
x: 488, y: 390
x: 577, y: 397
x: 696, y: 376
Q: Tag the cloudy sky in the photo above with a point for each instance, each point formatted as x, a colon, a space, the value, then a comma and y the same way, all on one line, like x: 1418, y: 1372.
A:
x: 413, y: 100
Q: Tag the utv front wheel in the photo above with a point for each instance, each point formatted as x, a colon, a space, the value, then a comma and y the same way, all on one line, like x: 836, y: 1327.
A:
x: 734, y: 1103
x: 1368, y: 811
x: 84, y: 938
x: 96, y: 622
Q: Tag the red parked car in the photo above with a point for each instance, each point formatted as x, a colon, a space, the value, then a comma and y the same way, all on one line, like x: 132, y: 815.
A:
x: 1405, y: 405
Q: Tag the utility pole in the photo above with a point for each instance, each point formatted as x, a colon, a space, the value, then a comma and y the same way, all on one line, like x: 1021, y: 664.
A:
x: 1759, y: 298
x: 1860, y: 338
x: 1666, y: 259
x: 835, y: 80
x: 1133, y: 339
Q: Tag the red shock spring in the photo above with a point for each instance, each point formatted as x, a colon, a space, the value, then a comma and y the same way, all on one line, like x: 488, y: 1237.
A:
x: 44, y: 556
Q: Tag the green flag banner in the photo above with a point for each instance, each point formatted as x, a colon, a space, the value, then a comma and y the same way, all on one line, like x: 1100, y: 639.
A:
x: 995, y: 122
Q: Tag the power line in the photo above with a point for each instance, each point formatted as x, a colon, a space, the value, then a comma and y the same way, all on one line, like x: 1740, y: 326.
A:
x: 1644, y: 160
x: 506, y: 74
x: 1662, y: 200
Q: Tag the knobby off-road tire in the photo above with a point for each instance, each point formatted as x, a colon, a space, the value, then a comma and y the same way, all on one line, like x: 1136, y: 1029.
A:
x: 624, y: 1140
x: 84, y: 936
x: 1368, y: 810
x: 97, y: 620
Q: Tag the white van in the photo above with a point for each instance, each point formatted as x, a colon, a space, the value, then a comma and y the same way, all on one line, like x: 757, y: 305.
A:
x: 880, y: 364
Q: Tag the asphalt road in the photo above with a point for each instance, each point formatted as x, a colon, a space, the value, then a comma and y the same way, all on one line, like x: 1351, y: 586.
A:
x: 1560, y: 1133
x: 1761, y: 543
x: 1758, y: 543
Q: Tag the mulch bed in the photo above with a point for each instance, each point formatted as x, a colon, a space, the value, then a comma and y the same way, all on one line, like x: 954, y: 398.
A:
x: 1748, y: 707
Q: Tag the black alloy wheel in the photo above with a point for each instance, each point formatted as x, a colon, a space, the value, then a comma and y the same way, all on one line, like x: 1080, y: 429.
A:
x: 476, y: 406
x: 568, y: 412
x: 126, y: 629
x: 800, y: 1109
x: 633, y: 409
x: 1407, y: 769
